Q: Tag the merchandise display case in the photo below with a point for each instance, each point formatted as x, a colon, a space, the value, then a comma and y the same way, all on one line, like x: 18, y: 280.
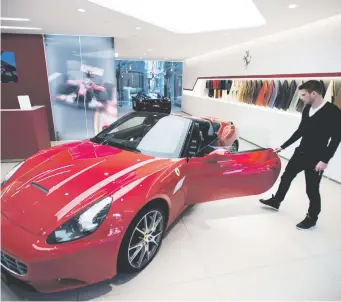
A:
x: 266, y: 110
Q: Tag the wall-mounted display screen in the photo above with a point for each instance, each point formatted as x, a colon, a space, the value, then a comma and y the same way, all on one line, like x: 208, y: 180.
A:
x: 8, y: 67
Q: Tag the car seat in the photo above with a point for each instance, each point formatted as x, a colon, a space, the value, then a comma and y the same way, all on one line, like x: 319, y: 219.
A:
x: 195, y: 141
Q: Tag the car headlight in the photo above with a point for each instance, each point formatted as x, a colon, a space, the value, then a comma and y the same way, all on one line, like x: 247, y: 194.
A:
x: 10, y: 173
x: 83, y: 224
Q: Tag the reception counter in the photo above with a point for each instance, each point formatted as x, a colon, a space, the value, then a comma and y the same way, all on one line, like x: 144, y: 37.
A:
x: 23, y: 133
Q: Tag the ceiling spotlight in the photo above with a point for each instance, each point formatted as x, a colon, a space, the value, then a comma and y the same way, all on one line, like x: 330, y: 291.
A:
x: 138, y: 28
x: 292, y: 6
x: 226, y: 34
x: 144, y: 54
x: 116, y: 54
x: 140, y: 57
x: 149, y: 49
x: 81, y: 10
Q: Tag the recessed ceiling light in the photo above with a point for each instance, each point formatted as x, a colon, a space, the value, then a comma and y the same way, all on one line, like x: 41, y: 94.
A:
x: 241, y: 14
x: 140, y: 57
x: 14, y: 19
x: 225, y: 34
x: 292, y: 6
x: 138, y: 28
x: 149, y: 49
x: 81, y: 10
x: 144, y: 54
x: 20, y: 27
x: 116, y: 54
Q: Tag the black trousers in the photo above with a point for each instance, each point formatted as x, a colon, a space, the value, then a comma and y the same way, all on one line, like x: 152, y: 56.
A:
x: 298, y: 163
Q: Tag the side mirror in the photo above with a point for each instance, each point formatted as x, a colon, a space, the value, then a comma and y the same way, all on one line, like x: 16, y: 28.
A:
x: 216, y: 156
x: 104, y: 127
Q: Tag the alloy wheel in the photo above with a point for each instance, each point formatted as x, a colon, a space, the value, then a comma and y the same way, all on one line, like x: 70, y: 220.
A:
x: 145, y: 239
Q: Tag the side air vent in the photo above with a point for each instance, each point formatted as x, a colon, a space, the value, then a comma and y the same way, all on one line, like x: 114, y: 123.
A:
x: 39, y: 187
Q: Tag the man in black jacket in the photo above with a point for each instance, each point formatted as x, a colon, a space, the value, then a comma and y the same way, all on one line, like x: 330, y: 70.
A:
x: 320, y: 133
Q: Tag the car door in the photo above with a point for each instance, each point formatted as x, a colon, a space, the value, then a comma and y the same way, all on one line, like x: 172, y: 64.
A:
x: 221, y: 174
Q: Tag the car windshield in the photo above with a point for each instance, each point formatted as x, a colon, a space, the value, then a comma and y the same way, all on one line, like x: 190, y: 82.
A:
x: 153, y: 95
x: 153, y: 134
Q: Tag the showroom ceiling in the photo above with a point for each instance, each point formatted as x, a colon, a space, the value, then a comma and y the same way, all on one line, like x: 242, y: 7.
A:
x: 135, y: 38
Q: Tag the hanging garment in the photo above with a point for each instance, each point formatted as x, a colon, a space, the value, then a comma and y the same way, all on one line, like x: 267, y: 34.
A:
x: 237, y: 87
x: 290, y: 95
x: 262, y: 94
x: 337, y: 101
x: 295, y: 98
x: 250, y: 92
x: 228, y: 86
x: 259, y: 87
x: 271, y: 87
x: 246, y: 91
x: 337, y: 86
x: 255, y: 92
x: 281, y: 101
x: 330, y: 92
x: 275, y: 93
x: 240, y: 91
x: 234, y: 91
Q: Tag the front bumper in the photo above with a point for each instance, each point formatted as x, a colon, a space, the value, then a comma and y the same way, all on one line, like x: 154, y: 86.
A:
x: 52, y: 268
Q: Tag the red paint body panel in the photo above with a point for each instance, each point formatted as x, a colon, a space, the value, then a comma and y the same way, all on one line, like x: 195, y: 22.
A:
x: 78, y: 174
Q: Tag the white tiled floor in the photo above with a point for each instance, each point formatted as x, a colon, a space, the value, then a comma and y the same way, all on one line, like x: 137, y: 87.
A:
x: 234, y: 250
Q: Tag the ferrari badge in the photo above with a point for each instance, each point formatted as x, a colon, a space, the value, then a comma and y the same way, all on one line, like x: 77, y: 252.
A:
x: 177, y: 171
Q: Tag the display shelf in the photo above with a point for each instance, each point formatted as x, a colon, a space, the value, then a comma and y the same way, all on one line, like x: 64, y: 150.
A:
x: 262, y: 126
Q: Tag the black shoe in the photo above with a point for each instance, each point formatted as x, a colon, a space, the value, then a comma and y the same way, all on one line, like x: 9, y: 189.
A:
x: 307, y: 223
x: 271, y: 202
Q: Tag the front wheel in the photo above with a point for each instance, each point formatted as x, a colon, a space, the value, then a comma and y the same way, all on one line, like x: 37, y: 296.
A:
x: 142, y: 240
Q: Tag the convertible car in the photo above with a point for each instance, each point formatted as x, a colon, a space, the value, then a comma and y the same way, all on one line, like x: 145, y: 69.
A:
x: 152, y: 102
x: 79, y: 213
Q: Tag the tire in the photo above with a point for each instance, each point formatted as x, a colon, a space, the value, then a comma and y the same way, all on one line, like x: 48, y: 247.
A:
x: 134, y: 240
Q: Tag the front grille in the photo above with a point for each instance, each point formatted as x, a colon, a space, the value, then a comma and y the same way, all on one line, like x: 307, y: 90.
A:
x: 13, y: 265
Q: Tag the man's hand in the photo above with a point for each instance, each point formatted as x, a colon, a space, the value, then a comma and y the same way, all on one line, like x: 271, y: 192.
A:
x: 321, y: 166
x: 277, y: 150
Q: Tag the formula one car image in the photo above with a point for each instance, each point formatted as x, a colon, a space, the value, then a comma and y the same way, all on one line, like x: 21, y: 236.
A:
x: 152, y: 102
x: 80, y: 213
x: 84, y: 93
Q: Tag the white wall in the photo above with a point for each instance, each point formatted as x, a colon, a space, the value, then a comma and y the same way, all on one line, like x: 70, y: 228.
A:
x: 315, y: 48
x: 309, y: 49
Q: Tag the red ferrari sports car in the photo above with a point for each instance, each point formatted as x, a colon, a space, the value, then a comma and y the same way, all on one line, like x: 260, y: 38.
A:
x: 79, y: 213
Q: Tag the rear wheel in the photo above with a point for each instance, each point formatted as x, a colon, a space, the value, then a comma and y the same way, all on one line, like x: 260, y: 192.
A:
x: 142, y: 240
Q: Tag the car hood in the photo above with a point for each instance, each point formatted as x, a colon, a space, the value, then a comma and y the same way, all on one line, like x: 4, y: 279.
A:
x: 43, y: 196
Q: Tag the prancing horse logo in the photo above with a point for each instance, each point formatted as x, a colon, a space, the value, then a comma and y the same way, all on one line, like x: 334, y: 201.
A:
x: 177, y: 171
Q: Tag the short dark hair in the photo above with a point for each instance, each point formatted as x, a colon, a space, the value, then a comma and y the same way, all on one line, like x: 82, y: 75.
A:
x: 312, y: 85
